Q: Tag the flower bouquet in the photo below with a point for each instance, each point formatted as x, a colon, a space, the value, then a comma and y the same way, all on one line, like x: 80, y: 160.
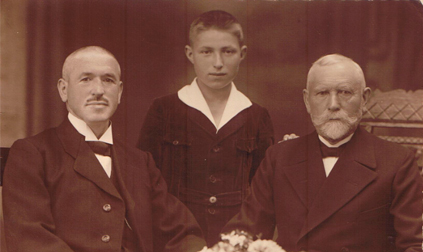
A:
x: 240, y: 241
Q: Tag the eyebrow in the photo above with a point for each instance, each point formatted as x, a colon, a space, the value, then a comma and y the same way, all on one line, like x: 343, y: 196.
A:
x: 107, y: 75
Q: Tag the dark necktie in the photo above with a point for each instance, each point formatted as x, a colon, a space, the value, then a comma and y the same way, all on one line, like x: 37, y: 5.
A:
x: 100, y: 148
x: 331, y: 152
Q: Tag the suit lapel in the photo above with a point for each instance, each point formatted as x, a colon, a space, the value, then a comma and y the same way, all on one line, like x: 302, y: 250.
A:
x: 124, y: 178
x: 86, y: 164
x: 307, y: 174
x: 352, y: 172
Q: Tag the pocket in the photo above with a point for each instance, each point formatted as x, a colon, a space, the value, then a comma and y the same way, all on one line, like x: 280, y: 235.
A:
x: 248, y: 145
x: 176, y: 139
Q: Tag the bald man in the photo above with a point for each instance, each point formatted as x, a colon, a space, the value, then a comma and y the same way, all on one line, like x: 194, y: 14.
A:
x: 338, y: 188
x: 78, y: 187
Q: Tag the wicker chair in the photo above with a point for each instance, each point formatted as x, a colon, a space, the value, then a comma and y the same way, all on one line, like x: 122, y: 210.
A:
x: 397, y: 116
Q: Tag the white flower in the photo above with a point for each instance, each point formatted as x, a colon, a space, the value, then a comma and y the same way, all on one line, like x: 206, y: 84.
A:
x: 264, y: 246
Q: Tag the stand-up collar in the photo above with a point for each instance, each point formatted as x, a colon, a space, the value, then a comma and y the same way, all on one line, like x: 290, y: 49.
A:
x: 191, y: 95
x: 86, y: 131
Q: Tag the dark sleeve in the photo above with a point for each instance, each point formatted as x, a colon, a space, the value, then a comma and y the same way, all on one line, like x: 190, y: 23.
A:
x: 265, y: 140
x: 257, y: 215
x: 29, y: 223
x: 175, y: 228
x: 407, y: 206
x: 152, y: 131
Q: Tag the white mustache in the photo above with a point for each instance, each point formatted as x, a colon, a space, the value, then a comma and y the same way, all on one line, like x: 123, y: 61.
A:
x: 339, y: 115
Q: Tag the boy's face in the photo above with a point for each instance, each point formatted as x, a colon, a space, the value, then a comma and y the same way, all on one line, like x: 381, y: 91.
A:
x: 216, y: 55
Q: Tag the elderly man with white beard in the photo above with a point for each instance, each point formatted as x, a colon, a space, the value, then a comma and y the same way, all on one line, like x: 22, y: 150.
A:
x: 339, y: 188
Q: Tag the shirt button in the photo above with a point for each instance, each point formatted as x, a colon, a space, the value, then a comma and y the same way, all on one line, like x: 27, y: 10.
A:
x: 107, y: 207
x: 212, y: 199
x: 212, y: 179
x: 105, y: 238
x: 176, y: 142
x: 211, y: 211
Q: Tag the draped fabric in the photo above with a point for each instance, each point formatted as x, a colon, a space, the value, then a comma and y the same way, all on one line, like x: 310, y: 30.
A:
x: 148, y: 39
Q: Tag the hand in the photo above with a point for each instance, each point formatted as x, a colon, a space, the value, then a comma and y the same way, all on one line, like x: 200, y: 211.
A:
x: 289, y: 137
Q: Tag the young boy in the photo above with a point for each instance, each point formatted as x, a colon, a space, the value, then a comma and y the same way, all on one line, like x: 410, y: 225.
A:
x: 209, y: 138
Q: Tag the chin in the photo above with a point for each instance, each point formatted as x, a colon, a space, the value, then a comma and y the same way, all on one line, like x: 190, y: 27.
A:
x: 335, y: 131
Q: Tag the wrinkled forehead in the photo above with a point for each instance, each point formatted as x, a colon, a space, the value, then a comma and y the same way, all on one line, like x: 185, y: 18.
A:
x: 87, y: 60
x: 346, y: 73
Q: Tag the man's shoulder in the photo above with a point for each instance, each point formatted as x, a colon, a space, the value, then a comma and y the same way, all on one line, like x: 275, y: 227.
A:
x: 291, y: 151
x: 43, y: 138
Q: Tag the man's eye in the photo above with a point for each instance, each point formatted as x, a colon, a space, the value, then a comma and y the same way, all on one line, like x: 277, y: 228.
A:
x: 85, y: 79
x: 229, y: 51
x: 344, y: 92
x: 109, y: 80
x: 322, y: 93
x: 206, y: 52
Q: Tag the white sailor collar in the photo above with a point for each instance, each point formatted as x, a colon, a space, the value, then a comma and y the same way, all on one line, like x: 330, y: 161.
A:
x: 191, y: 95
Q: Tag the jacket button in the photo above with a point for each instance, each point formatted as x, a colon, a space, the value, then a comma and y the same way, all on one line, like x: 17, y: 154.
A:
x: 212, y: 179
x: 107, y: 207
x: 216, y: 149
x: 344, y: 249
x: 212, y: 199
x: 176, y: 142
x: 105, y: 238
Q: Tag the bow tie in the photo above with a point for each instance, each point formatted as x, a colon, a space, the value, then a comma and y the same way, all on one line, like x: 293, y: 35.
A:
x: 100, y: 148
x: 331, y: 152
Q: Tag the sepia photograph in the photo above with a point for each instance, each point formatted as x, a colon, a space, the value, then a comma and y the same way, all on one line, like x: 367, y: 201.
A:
x: 211, y: 125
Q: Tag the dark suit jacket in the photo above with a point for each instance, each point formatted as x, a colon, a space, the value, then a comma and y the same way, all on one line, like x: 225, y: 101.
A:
x: 371, y: 199
x: 210, y: 172
x: 55, y: 189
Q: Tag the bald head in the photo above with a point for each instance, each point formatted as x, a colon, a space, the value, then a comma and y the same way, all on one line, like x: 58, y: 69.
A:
x: 69, y: 65
x: 333, y: 60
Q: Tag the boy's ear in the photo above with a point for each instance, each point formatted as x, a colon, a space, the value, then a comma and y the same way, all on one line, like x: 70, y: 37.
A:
x: 188, y: 53
x: 243, y: 52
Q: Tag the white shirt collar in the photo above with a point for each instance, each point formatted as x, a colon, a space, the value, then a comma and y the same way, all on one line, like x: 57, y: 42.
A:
x: 84, y: 130
x: 345, y: 140
x: 191, y: 95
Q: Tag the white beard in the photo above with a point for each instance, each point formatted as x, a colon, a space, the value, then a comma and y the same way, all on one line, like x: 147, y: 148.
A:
x: 336, y: 130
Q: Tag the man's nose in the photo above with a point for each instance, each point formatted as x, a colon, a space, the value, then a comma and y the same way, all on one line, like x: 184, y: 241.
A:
x: 218, y: 61
x: 334, y: 104
x: 97, y: 87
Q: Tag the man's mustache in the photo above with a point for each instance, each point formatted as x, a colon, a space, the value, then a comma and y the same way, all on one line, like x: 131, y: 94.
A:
x: 329, y: 116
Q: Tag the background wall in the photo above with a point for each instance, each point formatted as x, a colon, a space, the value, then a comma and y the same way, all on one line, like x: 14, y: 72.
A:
x: 148, y: 39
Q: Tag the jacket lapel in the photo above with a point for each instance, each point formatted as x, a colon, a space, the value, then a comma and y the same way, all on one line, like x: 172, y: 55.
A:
x: 198, y: 118
x: 86, y: 164
x: 230, y: 127
x: 353, y: 171
x: 125, y: 179
x: 307, y: 174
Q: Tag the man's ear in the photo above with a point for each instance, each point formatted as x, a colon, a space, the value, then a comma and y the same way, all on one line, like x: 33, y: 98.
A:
x: 189, y: 53
x: 243, y: 52
x: 305, y: 98
x: 62, y: 87
x: 366, y: 94
x: 120, y: 91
